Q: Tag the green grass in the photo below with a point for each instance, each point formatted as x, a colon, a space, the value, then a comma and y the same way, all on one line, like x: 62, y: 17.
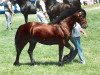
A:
x: 90, y: 6
x: 47, y: 56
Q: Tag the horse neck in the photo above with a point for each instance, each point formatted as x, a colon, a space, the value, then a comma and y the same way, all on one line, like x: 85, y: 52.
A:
x: 49, y: 3
x: 21, y: 2
x: 69, y: 22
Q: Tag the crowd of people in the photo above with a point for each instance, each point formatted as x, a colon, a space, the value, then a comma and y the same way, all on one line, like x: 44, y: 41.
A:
x: 42, y: 17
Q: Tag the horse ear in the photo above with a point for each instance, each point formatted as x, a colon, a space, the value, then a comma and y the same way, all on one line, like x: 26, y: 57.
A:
x: 79, y: 13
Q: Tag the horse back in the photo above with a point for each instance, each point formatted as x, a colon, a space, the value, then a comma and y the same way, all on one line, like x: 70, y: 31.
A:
x: 40, y: 32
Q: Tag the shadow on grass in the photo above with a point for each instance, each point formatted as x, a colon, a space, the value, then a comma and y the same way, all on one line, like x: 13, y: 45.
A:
x: 47, y: 63
x: 76, y: 61
x: 41, y: 63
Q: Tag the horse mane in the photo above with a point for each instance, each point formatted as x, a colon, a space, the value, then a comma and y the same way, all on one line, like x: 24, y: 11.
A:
x: 50, y: 2
x: 73, y: 3
x: 66, y: 1
x: 68, y: 12
x: 20, y: 2
x: 84, y: 13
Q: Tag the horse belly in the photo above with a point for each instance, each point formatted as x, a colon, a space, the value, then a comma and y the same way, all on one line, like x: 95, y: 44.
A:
x: 49, y: 41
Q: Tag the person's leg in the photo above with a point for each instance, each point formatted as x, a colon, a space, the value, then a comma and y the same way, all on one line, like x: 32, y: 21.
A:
x: 44, y: 20
x: 80, y: 52
x: 8, y: 20
x: 74, y: 42
x: 41, y: 17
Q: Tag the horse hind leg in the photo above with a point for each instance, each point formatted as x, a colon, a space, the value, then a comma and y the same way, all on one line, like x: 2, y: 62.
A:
x: 19, y: 44
x: 30, y: 51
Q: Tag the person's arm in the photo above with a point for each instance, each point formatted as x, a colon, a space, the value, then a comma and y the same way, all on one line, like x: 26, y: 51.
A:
x: 82, y: 31
x: 43, y: 6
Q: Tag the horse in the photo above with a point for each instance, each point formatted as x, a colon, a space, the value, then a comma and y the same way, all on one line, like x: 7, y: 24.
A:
x: 73, y: 3
x: 54, y: 8
x: 69, y: 57
x: 48, y: 34
x: 26, y: 7
x: 66, y: 13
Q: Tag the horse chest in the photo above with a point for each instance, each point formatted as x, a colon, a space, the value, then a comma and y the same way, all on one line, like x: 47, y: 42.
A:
x: 63, y: 32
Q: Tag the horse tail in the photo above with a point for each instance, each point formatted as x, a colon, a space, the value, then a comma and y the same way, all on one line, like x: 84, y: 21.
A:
x: 17, y: 37
x: 21, y: 38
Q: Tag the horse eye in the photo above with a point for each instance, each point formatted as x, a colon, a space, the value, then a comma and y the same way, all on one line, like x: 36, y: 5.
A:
x: 81, y: 17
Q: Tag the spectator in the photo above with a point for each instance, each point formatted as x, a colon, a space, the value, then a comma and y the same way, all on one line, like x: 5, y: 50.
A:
x: 1, y: 2
x: 41, y: 11
x: 75, y: 39
x: 8, y: 13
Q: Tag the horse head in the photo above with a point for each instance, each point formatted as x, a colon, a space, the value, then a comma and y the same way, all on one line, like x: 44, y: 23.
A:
x: 80, y: 17
x: 75, y: 16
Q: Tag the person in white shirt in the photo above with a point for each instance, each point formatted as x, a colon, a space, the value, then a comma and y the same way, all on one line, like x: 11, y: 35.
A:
x: 41, y: 11
x: 75, y: 39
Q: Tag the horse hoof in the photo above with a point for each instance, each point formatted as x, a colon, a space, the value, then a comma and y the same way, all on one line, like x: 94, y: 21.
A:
x: 16, y: 64
x: 60, y: 64
x: 32, y: 64
x: 65, y: 59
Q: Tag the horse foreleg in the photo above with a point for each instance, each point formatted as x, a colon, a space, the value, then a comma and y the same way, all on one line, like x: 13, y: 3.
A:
x: 60, y: 54
x: 72, y: 53
x: 30, y: 52
x: 26, y: 17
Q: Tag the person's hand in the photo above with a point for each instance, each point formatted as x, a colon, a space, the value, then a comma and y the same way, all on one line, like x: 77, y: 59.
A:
x: 46, y: 15
x: 85, y: 34
x: 13, y: 13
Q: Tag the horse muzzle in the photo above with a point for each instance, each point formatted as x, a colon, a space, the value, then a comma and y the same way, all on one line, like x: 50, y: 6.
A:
x: 84, y: 26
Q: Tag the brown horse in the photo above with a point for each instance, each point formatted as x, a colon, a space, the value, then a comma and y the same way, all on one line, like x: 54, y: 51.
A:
x: 48, y: 34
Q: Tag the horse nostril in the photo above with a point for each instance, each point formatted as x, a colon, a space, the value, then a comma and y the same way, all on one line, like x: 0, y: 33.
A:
x: 86, y: 26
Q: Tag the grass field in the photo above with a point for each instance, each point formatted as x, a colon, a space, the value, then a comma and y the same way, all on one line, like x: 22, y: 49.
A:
x: 47, y: 56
